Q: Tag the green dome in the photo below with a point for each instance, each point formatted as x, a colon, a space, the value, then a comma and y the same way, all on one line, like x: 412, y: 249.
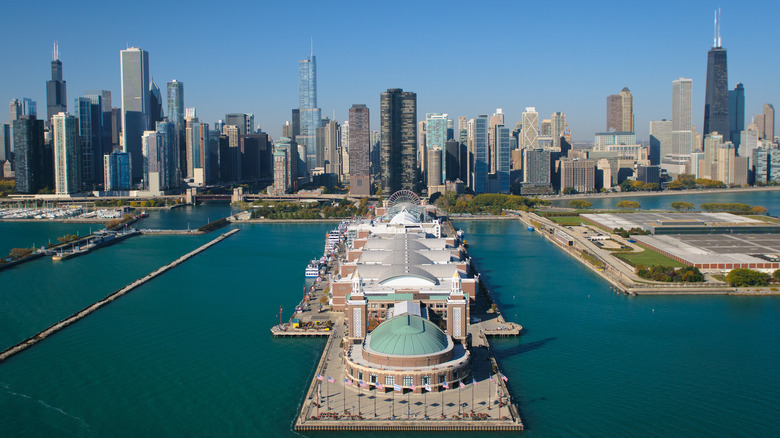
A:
x: 407, y: 335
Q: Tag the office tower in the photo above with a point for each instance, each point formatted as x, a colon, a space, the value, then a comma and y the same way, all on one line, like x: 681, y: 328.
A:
x: 478, y: 148
x: 452, y: 161
x: 5, y: 142
x: 660, y: 142
x: 545, y: 128
x: 242, y: 121
x: 331, y: 151
x: 91, y: 159
x: 168, y: 156
x: 578, y: 174
x: 495, y: 120
x: 627, y: 113
x: 765, y: 122
x: 434, y: 171
x: 358, y: 138
x: 462, y: 124
x: 101, y: 98
x: 614, y: 113
x: 530, y: 133
x: 375, y: 148
x: 28, y: 154
x: 450, y: 129
x: 56, y: 97
x: 737, y: 113
x: 176, y: 105
x: 230, y: 158
x: 192, y: 144
x: 436, y: 136
x: 398, y: 155
x: 67, y: 153
x: 716, y: 94
x: 286, y: 160
x: 203, y: 174
x: 256, y: 157
x: 156, y: 113
x: 504, y: 159
x: 557, y: 126
x: 310, y: 115
x: 682, y: 140
x: 136, y: 112
x: 116, y: 128
x: 15, y: 109
x: 345, y: 152
x: 29, y: 107
x: 150, y: 147
x: 116, y: 167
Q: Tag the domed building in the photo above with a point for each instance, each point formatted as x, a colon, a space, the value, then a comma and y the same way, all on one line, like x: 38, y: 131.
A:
x: 410, y: 351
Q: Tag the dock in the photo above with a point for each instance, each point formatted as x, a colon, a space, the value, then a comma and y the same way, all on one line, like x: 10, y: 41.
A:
x: 29, y: 342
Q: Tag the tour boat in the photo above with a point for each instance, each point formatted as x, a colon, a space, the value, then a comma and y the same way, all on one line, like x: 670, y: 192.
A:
x: 313, y: 269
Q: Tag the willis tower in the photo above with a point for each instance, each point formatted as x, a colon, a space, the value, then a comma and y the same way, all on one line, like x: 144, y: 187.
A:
x: 716, y: 100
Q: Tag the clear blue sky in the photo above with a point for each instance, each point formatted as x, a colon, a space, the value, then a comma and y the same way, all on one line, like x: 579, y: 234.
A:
x: 461, y: 58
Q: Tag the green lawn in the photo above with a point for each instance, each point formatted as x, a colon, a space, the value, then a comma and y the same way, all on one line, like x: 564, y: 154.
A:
x: 566, y: 220
x: 649, y: 258
x: 771, y: 220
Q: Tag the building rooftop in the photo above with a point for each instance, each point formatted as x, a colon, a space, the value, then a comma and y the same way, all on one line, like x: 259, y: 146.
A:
x: 407, y: 335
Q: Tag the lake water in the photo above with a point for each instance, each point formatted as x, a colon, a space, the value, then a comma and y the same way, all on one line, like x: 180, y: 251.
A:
x: 190, y: 353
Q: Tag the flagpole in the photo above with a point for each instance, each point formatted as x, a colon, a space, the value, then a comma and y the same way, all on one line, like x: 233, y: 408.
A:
x: 376, y: 393
x: 409, y: 405
x: 425, y: 401
x: 392, y: 414
x: 442, y: 400
x: 318, y: 403
x: 344, y: 393
x: 327, y: 394
x: 459, y: 388
x: 358, y: 396
x: 472, y: 396
x: 489, y: 379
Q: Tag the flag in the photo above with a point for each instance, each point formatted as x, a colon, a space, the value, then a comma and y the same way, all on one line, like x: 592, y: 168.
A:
x: 445, y: 385
x: 474, y: 381
x: 428, y: 387
x: 462, y: 385
x: 504, y: 377
x: 347, y: 381
x: 413, y: 388
x: 379, y: 386
x: 319, y: 377
x: 331, y: 380
x: 397, y: 388
x: 491, y: 379
x: 363, y: 384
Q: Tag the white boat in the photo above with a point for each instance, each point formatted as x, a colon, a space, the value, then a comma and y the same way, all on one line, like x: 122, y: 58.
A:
x: 313, y: 269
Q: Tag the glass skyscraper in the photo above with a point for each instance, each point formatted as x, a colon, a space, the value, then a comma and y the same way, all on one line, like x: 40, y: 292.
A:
x: 436, y: 136
x: 55, y: 88
x: 480, y: 150
x: 136, y: 113
x: 310, y: 115
x: 716, y: 94
x: 737, y: 113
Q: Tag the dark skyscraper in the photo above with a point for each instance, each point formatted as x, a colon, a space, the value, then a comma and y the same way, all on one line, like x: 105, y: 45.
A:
x: 135, y: 104
x: 359, y: 151
x: 737, y: 113
x: 55, y: 88
x: 398, y: 116
x: 155, y: 105
x: 28, y: 154
x: 716, y: 95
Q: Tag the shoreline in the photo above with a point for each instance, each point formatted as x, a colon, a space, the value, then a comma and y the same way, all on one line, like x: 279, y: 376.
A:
x: 659, y: 193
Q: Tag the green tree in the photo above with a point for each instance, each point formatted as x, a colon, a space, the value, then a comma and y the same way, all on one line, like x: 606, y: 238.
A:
x: 683, y: 206
x: 747, y: 277
x: 579, y: 203
x: 569, y: 191
x: 629, y: 205
x: 776, y: 274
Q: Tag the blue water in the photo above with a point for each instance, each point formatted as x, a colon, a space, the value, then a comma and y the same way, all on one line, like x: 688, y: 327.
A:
x: 190, y: 354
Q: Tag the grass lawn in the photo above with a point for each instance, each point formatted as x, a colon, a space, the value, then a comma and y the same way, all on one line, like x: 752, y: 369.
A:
x: 769, y: 219
x: 566, y: 220
x: 649, y: 258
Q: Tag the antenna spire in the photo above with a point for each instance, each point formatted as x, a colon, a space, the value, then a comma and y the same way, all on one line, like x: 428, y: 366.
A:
x: 55, y: 53
x: 719, y: 20
x: 312, y: 46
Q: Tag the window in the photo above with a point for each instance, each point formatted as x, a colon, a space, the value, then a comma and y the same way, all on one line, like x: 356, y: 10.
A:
x: 408, y: 381
x: 372, y: 378
x: 389, y: 380
x: 455, y: 375
x: 442, y: 378
x: 425, y: 380
x: 360, y: 375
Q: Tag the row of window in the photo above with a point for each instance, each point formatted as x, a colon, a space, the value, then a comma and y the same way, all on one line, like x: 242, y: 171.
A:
x: 407, y: 380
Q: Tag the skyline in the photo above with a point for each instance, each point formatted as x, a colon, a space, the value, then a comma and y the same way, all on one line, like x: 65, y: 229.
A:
x: 260, y: 75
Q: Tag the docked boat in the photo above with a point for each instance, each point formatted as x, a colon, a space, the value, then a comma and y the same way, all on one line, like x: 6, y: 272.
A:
x: 313, y: 269
x: 531, y: 228
x: 143, y: 215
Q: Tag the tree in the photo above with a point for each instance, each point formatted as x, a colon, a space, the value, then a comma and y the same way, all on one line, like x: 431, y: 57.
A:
x: 747, y: 277
x: 683, y: 206
x: 757, y: 209
x: 569, y: 191
x: 629, y: 205
x: 579, y: 203
x: 776, y: 274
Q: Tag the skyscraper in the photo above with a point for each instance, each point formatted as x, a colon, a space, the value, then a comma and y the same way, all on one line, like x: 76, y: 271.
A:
x: 436, y: 136
x: 660, y: 142
x: 614, y: 113
x: 737, y: 113
x: 102, y: 98
x: 176, y: 116
x: 766, y: 123
x: 28, y: 154
x: 91, y: 155
x: 530, y: 133
x: 156, y: 113
x: 557, y: 126
x: 136, y: 113
x: 682, y: 140
x: 67, y: 153
x: 243, y: 121
x: 716, y: 94
x: 56, y: 97
x: 359, y: 151
x: 310, y: 115
x: 398, y: 115
x: 627, y: 103
x: 480, y: 150
x: 497, y: 119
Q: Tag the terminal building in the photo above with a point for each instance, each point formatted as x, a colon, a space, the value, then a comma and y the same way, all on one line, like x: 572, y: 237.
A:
x: 405, y: 292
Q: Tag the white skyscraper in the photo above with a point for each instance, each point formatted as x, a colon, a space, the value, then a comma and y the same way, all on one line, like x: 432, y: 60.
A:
x: 67, y: 151
x: 530, y: 134
x: 682, y: 137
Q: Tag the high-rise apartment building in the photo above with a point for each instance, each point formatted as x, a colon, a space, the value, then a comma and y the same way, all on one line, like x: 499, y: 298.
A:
x: 765, y: 122
x: 529, y: 136
x: 557, y: 128
x: 398, y: 155
x: 736, y: 113
x: 56, y: 96
x: 136, y: 113
x: 495, y: 120
x: 436, y: 136
x: 28, y: 154
x: 716, y: 93
x: 578, y: 174
x: 103, y: 99
x: 176, y: 116
x: 359, y: 150
x: 67, y: 153
x: 310, y: 114
x: 660, y: 142
x: 116, y: 167
x: 479, y: 149
x: 89, y: 129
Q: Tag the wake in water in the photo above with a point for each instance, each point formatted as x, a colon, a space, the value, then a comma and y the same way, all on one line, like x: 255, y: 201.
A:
x: 83, y: 425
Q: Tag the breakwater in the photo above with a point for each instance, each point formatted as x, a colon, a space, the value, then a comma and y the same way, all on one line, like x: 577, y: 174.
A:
x: 29, y: 342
